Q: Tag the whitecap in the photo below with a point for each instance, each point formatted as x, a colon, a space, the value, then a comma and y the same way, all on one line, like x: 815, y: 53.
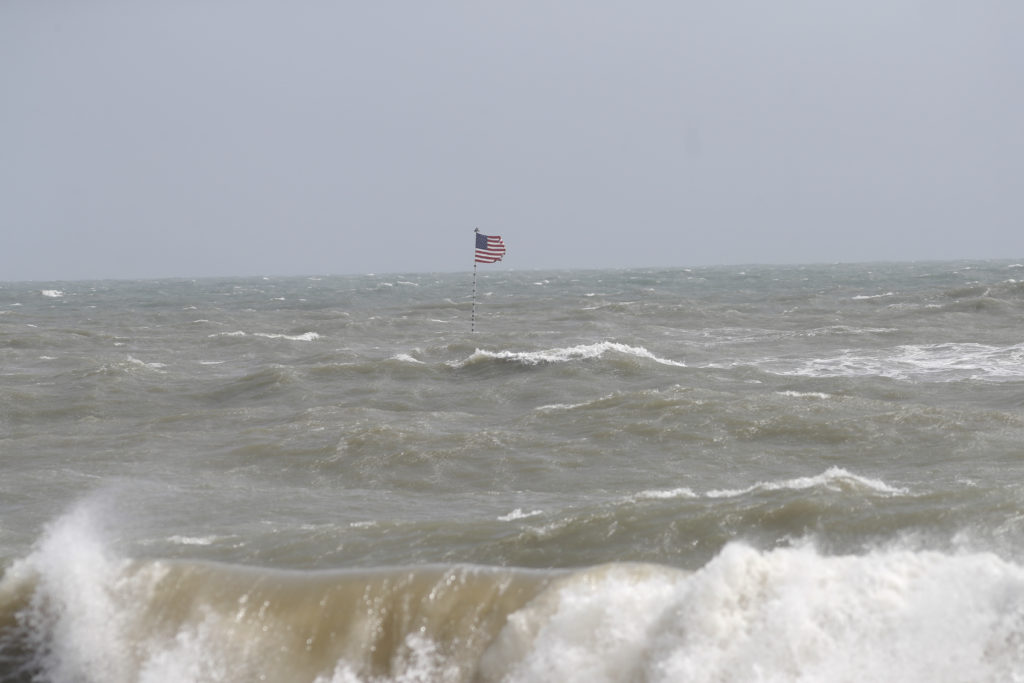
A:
x: 571, y: 353
x: 552, y: 407
x: 306, y: 336
x: 193, y: 540
x: 946, y: 362
x: 143, y: 364
x: 665, y: 494
x: 834, y: 478
x: 803, y: 394
x: 519, y: 514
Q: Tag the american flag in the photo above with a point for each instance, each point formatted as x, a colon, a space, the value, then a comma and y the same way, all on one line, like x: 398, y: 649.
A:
x: 489, y: 248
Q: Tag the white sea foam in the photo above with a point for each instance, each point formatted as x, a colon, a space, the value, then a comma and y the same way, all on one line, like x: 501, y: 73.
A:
x: 595, y: 625
x: 783, y: 615
x: 804, y: 394
x: 519, y: 514
x: 834, y: 478
x: 193, y: 540
x: 571, y: 353
x: 665, y: 494
x: 52, y: 293
x: 367, y: 524
x: 306, y: 336
x: 406, y: 358
x: 556, y: 407
x: 143, y: 364
x: 946, y: 362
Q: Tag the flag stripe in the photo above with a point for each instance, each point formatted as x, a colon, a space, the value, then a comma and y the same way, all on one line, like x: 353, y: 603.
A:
x: 489, y: 248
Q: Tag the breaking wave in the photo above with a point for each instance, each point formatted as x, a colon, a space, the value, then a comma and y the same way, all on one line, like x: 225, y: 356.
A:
x: 567, y: 354
x: 834, y: 478
x: 76, y: 610
x: 929, y: 362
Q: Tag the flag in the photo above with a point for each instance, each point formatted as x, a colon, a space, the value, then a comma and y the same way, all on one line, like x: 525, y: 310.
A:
x: 489, y: 248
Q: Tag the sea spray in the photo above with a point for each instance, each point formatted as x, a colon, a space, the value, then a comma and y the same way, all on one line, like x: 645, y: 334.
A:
x: 792, y: 614
x: 74, y: 622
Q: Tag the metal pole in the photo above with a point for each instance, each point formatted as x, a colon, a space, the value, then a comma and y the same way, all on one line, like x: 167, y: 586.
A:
x: 472, y: 317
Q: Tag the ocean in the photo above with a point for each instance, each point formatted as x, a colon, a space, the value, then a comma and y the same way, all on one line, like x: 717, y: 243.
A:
x: 757, y: 473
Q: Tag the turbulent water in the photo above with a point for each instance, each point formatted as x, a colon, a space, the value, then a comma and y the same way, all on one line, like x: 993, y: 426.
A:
x: 712, y: 474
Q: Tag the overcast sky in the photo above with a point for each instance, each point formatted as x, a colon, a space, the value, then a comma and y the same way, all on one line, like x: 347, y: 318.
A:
x: 184, y: 138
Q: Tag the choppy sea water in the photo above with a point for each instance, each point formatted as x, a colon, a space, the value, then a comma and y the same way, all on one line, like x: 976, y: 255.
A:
x: 801, y: 473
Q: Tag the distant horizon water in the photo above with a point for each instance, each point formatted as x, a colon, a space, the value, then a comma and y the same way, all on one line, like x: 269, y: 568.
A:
x: 511, y: 267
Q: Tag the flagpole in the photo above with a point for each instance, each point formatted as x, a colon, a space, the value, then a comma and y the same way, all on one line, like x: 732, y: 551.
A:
x: 487, y: 249
x: 472, y: 316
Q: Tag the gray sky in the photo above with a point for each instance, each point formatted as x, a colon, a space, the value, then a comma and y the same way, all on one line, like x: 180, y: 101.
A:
x: 163, y: 138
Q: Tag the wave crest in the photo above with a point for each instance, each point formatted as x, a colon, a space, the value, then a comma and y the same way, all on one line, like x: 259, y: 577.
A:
x: 76, y: 610
x: 834, y: 479
x: 566, y: 355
